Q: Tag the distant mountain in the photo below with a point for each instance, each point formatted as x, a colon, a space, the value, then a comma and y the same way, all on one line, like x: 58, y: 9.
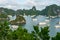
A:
x: 51, y: 10
x: 32, y: 11
x: 6, y: 11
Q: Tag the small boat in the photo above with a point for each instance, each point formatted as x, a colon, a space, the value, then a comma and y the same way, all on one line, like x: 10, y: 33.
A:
x: 47, y: 17
x: 33, y: 16
x: 53, y: 16
x: 59, y: 22
x: 42, y: 23
x: 47, y: 20
x: 57, y: 26
x: 34, y: 19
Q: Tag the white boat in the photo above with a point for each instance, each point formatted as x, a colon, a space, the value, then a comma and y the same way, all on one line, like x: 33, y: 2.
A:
x: 47, y: 17
x: 34, y: 19
x: 53, y: 16
x: 47, y: 20
x: 32, y: 15
x: 57, y: 26
x: 59, y: 22
x: 42, y: 23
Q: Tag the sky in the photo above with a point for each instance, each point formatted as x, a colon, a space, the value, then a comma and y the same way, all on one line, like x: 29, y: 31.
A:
x: 27, y: 4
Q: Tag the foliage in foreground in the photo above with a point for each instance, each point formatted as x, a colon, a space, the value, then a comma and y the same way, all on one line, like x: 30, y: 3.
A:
x: 43, y: 34
x: 22, y: 34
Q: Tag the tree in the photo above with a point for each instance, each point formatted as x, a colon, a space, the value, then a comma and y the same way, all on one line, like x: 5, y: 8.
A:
x: 20, y: 34
x: 43, y: 34
x: 4, y: 30
x: 57, y: 37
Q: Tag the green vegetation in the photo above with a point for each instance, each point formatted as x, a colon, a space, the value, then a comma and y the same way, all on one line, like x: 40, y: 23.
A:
x: 22, y: 34
x: 51, y: 10
x: 43, y: 34
x: 3, y: 17
x: 7, y: 11
x: 57, y: 37
x: 32, y: 11
x: 18, y: 21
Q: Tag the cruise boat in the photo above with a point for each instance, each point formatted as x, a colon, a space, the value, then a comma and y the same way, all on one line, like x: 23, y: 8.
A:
x: 33, y: 16
x: 57, y: 26
x: 47, y: 17
x: 47, y: 20
x: 35, y: 19
x: 42, y: 23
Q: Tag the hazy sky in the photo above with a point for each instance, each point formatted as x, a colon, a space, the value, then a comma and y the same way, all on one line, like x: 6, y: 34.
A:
x: 27, y: 4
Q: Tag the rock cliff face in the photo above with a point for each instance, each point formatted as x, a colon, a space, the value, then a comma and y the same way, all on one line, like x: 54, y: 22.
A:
x: 18, y: 21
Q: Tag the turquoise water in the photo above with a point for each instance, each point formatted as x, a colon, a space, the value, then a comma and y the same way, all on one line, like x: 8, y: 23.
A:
x: 30, y: 23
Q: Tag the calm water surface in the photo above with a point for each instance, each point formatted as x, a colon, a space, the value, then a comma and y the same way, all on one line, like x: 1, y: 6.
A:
x: 30, y: 23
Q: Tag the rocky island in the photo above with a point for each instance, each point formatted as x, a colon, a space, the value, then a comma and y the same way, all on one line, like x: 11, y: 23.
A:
x: 18, y: 21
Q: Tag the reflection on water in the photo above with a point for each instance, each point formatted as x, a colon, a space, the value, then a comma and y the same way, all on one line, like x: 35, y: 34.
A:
x: 52, y: 28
